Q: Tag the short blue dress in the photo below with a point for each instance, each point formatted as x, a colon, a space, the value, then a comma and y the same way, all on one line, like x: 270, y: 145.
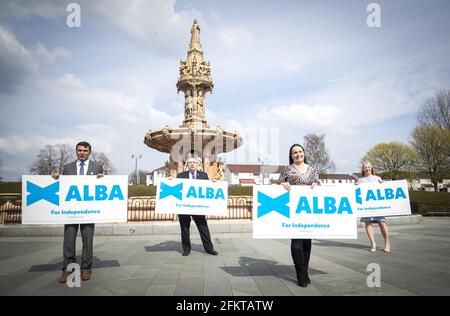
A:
x: 375, y: 219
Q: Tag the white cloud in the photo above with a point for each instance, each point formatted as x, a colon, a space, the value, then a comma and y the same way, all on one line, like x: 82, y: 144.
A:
x: 236, y: 38
x: 299, y: 114
x: 90, y: 103
x: 386, y: 89
x: 292, y: 66
x: 25, y: 9
x: 154, y: 23
x: 16, y: 62
x: 158, y: 119
x: 113, y: 122
x: 47, y: 56
x: 20, y: 144
x: 14, y: 144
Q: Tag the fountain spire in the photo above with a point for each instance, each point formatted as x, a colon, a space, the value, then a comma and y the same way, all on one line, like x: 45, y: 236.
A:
x: 195, y: 81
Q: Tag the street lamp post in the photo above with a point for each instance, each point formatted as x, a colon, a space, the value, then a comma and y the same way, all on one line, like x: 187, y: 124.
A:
x: 136, y: 157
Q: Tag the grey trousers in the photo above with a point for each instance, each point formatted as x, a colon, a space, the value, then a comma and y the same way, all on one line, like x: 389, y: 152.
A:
x: 70, y: 236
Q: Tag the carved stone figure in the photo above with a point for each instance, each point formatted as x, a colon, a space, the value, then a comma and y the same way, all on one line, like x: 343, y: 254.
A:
x: 188, y: 104
x: 194, y: 68
x: 195, y: 36
x: 148, y: 135
x: 165, y: 131
x: 200, y: 103
x: 220, y: 172
x: 184, y: 68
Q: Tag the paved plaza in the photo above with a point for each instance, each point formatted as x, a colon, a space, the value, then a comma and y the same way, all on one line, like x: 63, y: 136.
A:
x: 153, y: 265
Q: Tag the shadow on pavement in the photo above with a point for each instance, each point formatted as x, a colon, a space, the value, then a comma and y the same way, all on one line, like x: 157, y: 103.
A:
x: 260, y: 267
x: 173, y: 246
x: 57, y: 266
x: 333, y: 243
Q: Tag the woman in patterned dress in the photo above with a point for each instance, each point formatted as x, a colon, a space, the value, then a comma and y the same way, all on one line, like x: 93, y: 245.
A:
x: 299, y: 173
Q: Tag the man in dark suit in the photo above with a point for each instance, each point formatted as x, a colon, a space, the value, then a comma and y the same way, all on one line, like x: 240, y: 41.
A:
x: 200, y: 220
x: 81, y: 167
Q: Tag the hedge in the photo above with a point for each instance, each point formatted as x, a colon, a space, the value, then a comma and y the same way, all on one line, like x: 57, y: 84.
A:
x: 431, y: 201
x: 10, y: 187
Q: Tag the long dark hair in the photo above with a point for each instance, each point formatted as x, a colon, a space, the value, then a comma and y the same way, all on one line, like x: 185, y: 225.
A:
x: 291, y: 161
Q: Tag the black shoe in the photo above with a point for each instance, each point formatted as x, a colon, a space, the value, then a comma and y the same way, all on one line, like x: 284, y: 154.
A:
x: 186, y: 253
x: 302, y: 284
x: 308, y: 280
x: 212, y: 252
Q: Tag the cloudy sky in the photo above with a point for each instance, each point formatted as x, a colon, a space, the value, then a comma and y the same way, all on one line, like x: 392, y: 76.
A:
x: 281, y: 69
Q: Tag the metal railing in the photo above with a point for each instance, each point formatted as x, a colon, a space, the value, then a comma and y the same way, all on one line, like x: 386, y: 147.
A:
x: 10, y: 208
x: 140, y: 209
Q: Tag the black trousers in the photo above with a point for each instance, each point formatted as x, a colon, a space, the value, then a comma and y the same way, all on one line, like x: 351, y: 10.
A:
x: 202, y: 226
x: 301, y: 252
x: 70, y: 236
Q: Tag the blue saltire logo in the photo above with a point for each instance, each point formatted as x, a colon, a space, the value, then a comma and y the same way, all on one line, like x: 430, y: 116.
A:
x: 277, y: 204
x: 37, y: 193
x: 167, y: 190
x: 358, y: 196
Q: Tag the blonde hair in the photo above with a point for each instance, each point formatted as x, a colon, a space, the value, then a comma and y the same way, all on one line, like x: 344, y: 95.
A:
x: 366, y: 163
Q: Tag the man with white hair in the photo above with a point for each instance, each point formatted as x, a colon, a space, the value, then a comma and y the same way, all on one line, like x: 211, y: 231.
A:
x: 200, y: 220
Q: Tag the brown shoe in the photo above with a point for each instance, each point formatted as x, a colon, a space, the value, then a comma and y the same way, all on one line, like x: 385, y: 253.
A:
x: 85, y: 275
x: 63, y: 277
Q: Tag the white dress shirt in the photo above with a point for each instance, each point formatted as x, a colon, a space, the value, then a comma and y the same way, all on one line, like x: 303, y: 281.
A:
x: 86, y: 166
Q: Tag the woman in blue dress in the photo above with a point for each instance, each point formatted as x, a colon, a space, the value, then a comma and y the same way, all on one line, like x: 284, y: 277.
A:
x: 368, y: 176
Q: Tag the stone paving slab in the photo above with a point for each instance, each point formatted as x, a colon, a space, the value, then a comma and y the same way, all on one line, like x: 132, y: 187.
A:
x: 152, y: 265
x: 161, y: 228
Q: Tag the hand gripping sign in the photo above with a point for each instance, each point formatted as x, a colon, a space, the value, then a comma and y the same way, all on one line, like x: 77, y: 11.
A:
x: 304, y: 212
x: 324, y: 212
x: 74, y: 199
x: 195, y: 197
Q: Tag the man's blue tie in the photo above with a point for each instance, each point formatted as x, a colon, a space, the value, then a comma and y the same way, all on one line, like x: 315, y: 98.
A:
x: 82, y: 168
x: 193, y: 175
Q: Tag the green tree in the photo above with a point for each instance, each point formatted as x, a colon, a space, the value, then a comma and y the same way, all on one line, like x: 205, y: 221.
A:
x: 432, y: 146
x: 391, y: 159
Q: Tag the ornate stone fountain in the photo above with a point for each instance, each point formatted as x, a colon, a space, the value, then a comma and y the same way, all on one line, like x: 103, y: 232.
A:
x: 194, y: 136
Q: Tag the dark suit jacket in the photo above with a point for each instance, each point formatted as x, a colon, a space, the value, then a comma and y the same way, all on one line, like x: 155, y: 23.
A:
x: 200, y: 175
x: 71, y: 169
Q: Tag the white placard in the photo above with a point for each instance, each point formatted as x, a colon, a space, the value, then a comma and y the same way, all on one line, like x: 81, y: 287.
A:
x: 195, y: 197
x: 382, y: 199
x: 74, y: 199
x: 304, y: 212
